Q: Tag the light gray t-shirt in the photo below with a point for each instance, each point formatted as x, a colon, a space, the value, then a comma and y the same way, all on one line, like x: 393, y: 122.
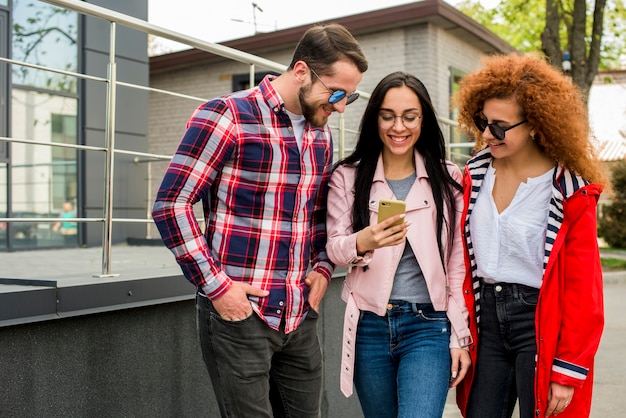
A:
x: 408, y: 284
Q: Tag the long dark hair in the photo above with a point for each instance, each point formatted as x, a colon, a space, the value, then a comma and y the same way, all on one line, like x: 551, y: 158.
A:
x: 430, y: 144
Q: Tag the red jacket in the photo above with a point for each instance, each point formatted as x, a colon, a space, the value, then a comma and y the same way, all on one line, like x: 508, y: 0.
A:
x: 570, y: 311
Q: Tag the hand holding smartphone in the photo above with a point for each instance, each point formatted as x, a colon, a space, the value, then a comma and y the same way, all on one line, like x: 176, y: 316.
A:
x: 388, y: 208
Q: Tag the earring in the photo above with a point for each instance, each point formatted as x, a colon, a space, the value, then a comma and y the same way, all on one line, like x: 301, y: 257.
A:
x: 532, y: 137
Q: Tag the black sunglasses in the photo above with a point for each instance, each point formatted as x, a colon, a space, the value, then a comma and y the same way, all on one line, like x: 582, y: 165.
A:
x: 336, y: 95
x: 497, y: 131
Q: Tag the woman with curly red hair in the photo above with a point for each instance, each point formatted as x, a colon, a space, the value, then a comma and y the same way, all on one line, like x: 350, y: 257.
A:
x: 534, y: 279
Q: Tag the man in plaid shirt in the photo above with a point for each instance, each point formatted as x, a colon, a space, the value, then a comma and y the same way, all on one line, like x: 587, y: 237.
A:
x: 260, y: 160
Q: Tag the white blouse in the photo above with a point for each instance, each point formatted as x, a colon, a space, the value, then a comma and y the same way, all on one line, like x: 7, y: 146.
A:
x: 509, y: 246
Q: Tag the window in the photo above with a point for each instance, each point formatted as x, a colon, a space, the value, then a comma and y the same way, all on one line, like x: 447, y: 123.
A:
x: 43, y: 177
x: 44, y: 35
x: 242, y: 81
x: 41, y: 180
x: 64, y: 180
x: 460, y: 144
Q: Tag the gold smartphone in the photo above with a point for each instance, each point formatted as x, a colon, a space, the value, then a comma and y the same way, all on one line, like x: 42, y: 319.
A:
x: 389, y: 207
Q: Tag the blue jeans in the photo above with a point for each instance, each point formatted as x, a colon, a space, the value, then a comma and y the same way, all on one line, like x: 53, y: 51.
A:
x: 505, y: 367
x: 402, y: 363
x: 257, y: 371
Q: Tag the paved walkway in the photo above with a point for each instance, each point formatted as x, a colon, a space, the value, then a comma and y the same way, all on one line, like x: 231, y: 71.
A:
x: 621, y: 254
x: 125, y: 260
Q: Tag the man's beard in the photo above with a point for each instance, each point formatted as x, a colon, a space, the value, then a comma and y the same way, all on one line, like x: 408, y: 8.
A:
x: 309, y: 111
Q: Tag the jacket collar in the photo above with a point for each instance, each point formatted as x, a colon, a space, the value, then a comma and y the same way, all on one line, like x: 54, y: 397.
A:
x: 415, y: 200
x: 420, y: 167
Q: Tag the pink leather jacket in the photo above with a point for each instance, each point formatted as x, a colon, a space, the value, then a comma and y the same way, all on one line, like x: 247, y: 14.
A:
x: 370, y: 290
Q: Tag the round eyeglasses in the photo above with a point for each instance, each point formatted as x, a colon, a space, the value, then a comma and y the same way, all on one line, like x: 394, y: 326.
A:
x: 336, y: 95
x: 409, y: 120
x: 497, y: 131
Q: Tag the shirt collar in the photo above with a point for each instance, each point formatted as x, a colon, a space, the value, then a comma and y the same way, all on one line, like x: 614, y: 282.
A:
x: 271, y: 96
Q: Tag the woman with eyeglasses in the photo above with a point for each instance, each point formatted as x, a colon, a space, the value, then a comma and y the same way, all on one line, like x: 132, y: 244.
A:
x: 534, y: 279
x: 405, y: 326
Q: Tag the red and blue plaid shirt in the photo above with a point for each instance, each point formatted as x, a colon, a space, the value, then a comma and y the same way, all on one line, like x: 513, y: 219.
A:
x: 264, y: 202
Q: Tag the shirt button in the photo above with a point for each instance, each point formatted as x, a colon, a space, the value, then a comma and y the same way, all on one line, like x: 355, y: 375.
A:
x: 281, y: 303
x: 498, y: 288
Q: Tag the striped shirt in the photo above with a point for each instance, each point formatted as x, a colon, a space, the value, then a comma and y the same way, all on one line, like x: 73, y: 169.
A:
x: 263, y: 201
x: 564, y: 184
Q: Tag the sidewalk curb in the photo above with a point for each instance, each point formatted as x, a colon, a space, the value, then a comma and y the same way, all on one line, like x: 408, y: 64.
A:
x: 614, y: 277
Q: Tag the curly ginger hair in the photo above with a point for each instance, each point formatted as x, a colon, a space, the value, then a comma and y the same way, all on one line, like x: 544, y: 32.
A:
x: 549, y: 101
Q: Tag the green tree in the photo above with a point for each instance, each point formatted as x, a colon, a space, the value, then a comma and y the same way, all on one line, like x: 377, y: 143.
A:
x: 589, y: 33
x: 612, y: 224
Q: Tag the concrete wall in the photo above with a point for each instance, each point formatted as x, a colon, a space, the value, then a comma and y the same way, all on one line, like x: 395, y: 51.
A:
x: 141, y: 362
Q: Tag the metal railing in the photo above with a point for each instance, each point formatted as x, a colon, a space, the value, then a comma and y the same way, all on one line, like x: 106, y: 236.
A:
x: 111, y: 81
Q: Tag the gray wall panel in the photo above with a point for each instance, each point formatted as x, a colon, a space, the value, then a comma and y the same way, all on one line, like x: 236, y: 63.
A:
x: 141, y: 362
x: 28, y: 303
x: 131, y: 105
x: 131, y: 120
x: 130, y: 43
x: 130, y: 188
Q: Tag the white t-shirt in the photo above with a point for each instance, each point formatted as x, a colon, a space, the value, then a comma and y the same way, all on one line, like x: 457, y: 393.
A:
x: 509, y: 246
x: 298, y: 122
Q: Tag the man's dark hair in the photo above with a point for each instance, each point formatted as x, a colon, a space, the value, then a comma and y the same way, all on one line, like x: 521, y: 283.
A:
x: 323, y: 45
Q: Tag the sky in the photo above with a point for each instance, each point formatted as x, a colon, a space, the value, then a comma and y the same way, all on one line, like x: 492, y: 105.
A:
x: 211, y: 21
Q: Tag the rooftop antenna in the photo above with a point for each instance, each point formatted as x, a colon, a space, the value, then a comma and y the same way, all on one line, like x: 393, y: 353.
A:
x: 255, y: 7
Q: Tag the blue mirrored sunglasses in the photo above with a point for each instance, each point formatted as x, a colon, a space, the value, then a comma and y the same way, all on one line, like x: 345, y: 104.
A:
x: 336, y: 95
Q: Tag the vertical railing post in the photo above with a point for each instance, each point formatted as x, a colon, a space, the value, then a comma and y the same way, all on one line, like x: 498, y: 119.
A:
x: 342, y: 136
x: 149, y: 209
x: 110, y: 157
x: 251, y: 79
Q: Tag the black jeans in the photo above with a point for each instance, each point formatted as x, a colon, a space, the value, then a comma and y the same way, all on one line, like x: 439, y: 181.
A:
x: 257, y: 371
x: 505, y: 367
